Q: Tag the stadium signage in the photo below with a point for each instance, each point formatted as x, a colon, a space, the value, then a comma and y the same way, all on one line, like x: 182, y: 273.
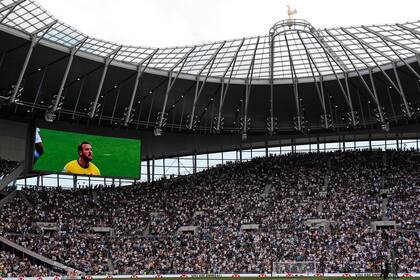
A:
x: 234, y: 275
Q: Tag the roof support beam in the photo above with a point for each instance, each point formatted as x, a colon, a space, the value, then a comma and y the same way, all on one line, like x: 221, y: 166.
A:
x: 34, y: 41
x: 10, y: 9
x: 248, y: 84
x: 299, y: 117
x: 108, y: 61
x: 330, y: 51
x: 374, y: 95
x: 78, y: 98
x: 399, y: 89
x: 407, y: 107
x: 50, y: 113
x: 413, y: 31
x: 140, y: 71
x: 346, y: 92
x: 271, y: 128
x: 362, y: 42
x: 319, y: 88
x: 223, y: 88
x: 386, y: 38
x: 171, y: 83
x: 361, y: 60
x: 373, y: 92
x: 199, y: 89
x: 418, y: 59
x: 40, y: 85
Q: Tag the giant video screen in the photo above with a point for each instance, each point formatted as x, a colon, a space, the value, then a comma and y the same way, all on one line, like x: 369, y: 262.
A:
x: 65, y: 152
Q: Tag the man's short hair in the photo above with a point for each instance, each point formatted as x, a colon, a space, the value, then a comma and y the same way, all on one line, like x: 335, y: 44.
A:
x: 80, y: 146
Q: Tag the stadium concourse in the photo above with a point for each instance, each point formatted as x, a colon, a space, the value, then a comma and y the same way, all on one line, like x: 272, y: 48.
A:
x: 234, y: 218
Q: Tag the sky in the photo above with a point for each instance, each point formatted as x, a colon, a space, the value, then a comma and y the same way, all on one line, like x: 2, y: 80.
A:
x: 163, y: 23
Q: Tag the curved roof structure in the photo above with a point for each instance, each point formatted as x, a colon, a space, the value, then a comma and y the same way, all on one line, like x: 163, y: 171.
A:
x: 294, y: 48
x: 295, y: 79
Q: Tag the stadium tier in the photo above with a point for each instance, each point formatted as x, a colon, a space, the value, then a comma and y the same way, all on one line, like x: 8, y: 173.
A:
x: 347, y: 211
x: 78, y: 109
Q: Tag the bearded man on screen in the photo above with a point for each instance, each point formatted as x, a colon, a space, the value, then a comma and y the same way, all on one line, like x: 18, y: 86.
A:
x: 83, y: 165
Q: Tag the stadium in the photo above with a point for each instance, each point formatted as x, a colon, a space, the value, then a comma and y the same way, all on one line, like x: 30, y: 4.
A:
x: 284, y: 155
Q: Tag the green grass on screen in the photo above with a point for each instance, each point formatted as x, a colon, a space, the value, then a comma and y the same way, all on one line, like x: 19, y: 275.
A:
x: 115, y: 157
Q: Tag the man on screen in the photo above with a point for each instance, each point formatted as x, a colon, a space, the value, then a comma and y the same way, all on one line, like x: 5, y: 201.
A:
x: 83, y: 165
x: 39, y: 148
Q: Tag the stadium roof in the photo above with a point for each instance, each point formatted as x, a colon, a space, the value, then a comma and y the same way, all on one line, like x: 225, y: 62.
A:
x: 298, y: 49
x: 295, y: 79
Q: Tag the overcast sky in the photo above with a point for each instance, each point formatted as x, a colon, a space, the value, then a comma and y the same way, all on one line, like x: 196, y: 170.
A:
x: 160, y: 23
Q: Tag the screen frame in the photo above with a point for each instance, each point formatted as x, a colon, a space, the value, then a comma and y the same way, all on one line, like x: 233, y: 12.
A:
x: 94, y: 131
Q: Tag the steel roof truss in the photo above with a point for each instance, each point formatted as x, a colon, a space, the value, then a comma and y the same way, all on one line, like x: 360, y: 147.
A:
x: 199, y: 89
x: 233, y: 60
x: 171, y: 83
x: 373, y: 93
x: 364, y: 43
x: 34, y: 41
x: 41, y: 83
x: 223, y: 89
x: 413, y: 31
x: 401, y: 92
x: 398, y: 89
x: 140, y: 71
x: 295, y: 87
x: 346, y: 93
x: 10, y: 9
x: 78, y: 97
x: 375, y: 98
x: 317, y: 87
x: 57, y: 100
x: 108, y: 61
x: 248, y: 85
x: 386, y: 38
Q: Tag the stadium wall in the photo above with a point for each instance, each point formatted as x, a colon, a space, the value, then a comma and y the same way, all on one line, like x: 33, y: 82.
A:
x: 13, y: 139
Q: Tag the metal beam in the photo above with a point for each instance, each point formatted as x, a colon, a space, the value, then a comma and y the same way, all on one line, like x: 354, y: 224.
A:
x: 332, y: 53
x: 34, y: 41
x: 361, y: 60
x: 171, y: 83
x: 373, y: 93
x: 386, y: 38
x: 182, y: 59
x: 10, y: 9
x: 402, y: 93
x: 271, y: 69
x: 140, y: 71
x: 248, y: 85
x: 73, y: 51
x: 38, y: 92
x: 376, y: 98
x: 234, y: 57
x: 199, y: 89
x: 319, y: 92
x: 412, y: 30
x: 223, y: 90
x: 346, y: 94
x: 362, y: 42
x: 399, y: 89
x: 295, y: 86
x: 108, y: 61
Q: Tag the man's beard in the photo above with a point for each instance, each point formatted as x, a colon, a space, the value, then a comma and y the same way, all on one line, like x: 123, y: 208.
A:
x: 86, y: 159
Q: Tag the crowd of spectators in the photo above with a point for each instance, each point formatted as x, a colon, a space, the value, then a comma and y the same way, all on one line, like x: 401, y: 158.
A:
x: 13, y: 266
x: 6, y: 166
x: 276, y: 195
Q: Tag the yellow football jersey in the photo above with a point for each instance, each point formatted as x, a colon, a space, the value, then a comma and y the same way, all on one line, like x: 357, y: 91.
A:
x: 74, y: 167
